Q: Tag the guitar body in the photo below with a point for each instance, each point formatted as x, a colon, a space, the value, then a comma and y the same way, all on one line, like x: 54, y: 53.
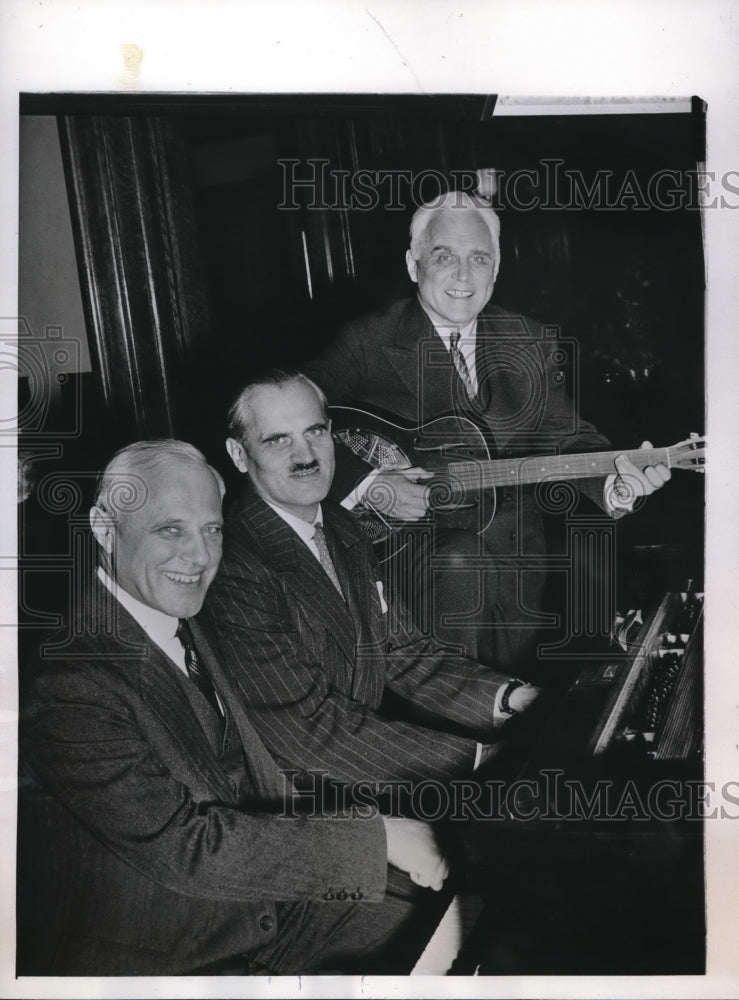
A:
x: 463, y: 489
x: 388, y: 444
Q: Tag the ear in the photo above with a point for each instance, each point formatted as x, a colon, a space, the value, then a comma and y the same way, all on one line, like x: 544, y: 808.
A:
x: 103, y: 528
x: 238, y: 454
x: 412, y: 264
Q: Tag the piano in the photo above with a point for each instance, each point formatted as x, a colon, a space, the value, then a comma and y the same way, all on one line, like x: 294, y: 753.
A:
x: 591, y: 861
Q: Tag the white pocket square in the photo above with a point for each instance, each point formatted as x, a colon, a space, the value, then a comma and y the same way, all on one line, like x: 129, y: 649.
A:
x: 381, y: 595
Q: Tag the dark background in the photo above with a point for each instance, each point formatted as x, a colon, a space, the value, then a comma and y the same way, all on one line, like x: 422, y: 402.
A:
x: 193, y: 278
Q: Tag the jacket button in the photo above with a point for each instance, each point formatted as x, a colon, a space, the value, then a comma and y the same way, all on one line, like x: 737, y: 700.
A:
x: 328, y: 896
x: 342, y: 895
x: 266, y: 922
x: 507, y: 497
x: 356, y: 896
x: 513, y: 536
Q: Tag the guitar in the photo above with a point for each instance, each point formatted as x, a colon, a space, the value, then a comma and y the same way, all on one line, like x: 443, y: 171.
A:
x: 465, y: 478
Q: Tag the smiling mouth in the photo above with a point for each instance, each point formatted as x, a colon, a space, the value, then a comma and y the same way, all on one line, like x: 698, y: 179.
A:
x: 457, y: 293
x: 305, y: 473
x: 186, y: 579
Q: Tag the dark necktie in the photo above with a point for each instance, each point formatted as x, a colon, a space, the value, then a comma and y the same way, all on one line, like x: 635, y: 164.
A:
x: 460, y: 364
x: 324, y: 555
x: 195, y: 669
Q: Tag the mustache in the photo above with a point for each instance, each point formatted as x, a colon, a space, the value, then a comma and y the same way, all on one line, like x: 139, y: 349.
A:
x: 305, y: 466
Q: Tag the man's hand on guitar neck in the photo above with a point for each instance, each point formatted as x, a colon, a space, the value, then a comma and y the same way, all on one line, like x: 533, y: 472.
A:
x: 401, y: 494
x: 622, y: 490
x: 398, y: 493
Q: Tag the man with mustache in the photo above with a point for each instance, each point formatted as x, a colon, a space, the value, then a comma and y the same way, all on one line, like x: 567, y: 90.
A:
x: 310, y: 639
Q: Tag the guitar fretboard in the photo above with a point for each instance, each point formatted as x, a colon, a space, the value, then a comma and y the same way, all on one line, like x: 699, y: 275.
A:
x: 540, y: 468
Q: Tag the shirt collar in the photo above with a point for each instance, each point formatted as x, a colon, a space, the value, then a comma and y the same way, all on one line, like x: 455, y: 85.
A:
x: 467, y: 333
x: 155, y: 623
x: 304, y: 529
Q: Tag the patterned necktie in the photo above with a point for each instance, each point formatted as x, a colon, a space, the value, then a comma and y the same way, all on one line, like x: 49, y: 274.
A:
x: 324, y: 555
x: 195, y: 669
x: 460, y: 364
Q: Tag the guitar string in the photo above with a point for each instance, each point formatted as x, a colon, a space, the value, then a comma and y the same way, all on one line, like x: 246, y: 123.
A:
x: 499, y: 472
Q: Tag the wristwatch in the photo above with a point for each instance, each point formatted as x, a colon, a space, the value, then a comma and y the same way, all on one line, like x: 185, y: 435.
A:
x: 507, y: 692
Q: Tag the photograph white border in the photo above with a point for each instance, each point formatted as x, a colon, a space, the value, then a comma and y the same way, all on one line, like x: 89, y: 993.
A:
x: 631, y: 51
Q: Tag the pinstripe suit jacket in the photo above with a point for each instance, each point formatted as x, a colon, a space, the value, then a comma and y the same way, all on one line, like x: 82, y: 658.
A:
x: 311, y: 668
x: 146, y: 850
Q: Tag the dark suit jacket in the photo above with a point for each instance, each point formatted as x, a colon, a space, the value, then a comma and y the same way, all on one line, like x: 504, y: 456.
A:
x: 143, y: 849
x: 396, y: 361
x: 311, y: 668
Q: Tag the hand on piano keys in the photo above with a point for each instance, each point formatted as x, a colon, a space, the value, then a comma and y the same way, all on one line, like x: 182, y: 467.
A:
x: 412, y: 847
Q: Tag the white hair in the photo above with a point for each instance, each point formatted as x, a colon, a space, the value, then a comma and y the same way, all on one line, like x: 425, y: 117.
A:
x: 452, y: 201
x: 122, y: 485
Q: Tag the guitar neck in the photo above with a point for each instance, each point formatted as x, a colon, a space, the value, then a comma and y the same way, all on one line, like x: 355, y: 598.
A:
x: 541, y: 468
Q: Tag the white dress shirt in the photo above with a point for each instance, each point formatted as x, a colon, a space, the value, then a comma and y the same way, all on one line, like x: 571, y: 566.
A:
x: 305, y: 530
x: 159, y: 627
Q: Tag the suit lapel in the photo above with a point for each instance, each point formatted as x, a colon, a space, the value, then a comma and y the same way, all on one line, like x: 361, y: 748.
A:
x: 511, y: 388
x: 262, y: 769
x: 301, y: 572
x: 346, y: 555
x: 420, y: 360
x: 486, y: 375
x: 161, y: 690
x: 352, y: 567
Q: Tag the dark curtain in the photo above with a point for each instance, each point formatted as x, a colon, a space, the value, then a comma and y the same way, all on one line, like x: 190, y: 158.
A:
x: 130, y: 194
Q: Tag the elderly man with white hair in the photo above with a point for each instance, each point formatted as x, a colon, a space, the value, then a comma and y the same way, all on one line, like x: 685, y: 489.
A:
x: 156, y: 834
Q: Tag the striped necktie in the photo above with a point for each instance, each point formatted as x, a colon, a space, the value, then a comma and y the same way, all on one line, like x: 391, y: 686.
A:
x: 460, y: 364
x: 324, y: 555
x: 195, y: 669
